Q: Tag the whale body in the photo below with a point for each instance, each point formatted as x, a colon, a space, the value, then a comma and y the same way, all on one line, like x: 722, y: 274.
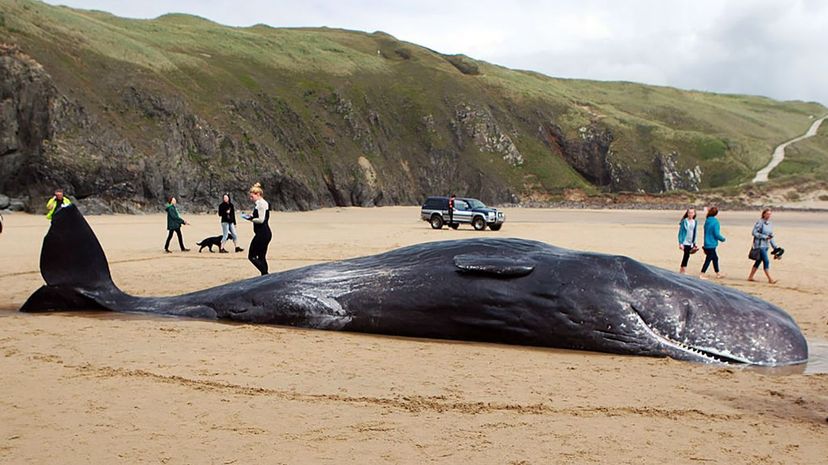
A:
x: 510, y: 291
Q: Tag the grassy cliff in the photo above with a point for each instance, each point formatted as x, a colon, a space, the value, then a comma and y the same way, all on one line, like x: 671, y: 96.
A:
x: 182, y: 105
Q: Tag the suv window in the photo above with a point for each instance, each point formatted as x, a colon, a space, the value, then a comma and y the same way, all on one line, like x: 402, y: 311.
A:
x: 476, y: 203
x: 460, y: 205
x: 436, y: 204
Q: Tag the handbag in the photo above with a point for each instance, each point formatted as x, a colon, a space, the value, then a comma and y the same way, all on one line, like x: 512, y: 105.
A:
x: 694, y: 249
x: 753, y: 254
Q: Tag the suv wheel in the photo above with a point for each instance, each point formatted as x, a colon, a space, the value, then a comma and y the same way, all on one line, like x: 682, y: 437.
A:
x: 436, y: 221
x: 495, y: 227
x: 478, y: 223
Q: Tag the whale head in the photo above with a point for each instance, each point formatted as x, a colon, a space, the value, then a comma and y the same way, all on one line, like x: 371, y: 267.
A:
x: 610, y: 303
x: 701, y: 321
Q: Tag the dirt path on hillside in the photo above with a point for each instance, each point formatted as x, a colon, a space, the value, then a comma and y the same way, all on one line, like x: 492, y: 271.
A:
x: 779, y: 152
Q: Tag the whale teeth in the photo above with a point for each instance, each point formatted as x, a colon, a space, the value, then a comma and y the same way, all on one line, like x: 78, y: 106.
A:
x: 691, y: 349
x: 680, y: 345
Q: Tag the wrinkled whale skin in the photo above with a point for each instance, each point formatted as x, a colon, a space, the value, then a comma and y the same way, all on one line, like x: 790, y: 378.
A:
x: 510, y: 291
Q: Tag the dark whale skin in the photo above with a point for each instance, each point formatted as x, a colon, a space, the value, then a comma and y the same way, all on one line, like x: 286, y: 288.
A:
x: 511, y: 291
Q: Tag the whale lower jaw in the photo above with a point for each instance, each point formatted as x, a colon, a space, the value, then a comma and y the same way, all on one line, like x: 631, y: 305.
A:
x: 682, y: 351
x: 701, y: 354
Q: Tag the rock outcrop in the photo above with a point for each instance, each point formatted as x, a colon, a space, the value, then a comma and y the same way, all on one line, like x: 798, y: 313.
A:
x: 675, y: 178
x: 480, y: 125
x: 589, y: 153
x: 28, y: 104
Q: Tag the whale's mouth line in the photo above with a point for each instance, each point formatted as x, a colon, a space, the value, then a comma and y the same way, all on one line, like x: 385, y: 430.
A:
x: 704, y: 354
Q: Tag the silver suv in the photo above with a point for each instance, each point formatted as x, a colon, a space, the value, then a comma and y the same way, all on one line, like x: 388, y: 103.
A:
x: 472, y: 211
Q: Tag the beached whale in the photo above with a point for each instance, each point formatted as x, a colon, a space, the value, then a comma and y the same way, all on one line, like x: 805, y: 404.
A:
x: 498, y: 290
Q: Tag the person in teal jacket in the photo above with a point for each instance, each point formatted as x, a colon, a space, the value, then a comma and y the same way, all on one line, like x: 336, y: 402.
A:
x: 687, y: 237
x: 174, y: 223
x: 712, y: 237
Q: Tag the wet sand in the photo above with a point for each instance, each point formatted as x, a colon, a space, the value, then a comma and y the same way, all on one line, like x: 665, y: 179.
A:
x: 89, y: 387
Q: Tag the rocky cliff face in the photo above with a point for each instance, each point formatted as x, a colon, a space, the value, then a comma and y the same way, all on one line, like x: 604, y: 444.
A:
x: 125, y: 151
x: 589, y: 153
x: 674, y: 178
x: 28, y: 102
x: 48, y: 140
x: 480, y: 125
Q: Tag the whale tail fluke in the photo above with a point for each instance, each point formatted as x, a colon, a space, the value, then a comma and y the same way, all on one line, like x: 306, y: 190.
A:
x: 74, y: 266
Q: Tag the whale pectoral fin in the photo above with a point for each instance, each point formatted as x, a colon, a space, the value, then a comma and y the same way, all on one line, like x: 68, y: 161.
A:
x: 494, y: 266
x: 197, y: 311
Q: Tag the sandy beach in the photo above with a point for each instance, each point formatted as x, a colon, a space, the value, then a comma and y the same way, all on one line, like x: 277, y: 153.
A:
x: 98, y: 387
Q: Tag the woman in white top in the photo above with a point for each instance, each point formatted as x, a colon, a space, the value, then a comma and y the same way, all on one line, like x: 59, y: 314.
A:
x: 257, y: 253
x: 687, y: 237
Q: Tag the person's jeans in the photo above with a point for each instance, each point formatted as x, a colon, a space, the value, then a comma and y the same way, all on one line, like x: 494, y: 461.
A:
x: 228, y: 229
x: 763, y: 258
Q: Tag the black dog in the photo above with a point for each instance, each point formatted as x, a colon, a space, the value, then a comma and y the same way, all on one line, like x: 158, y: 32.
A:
x: 209, y: 242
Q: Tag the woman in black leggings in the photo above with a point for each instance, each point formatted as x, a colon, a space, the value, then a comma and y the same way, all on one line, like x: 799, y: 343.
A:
x: 257, y: 253
x: 687, y: 237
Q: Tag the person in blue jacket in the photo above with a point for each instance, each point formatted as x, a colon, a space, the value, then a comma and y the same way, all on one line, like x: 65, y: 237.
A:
x: 712, y: 237
x: 687, y: 237
x: 762, y: 239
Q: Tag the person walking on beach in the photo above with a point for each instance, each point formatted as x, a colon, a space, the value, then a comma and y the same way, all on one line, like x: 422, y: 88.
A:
x: 227, y: 213
x: 687, y: 237
x: 762, y: 238
x: 257, y: 253
x: 451, y: 210
x: 56, y: 203
x: 712, y: 237
x: 174, y: 223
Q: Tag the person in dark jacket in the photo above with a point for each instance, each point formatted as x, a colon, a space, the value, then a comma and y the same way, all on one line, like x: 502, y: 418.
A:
x: 712, y: 237
x: 257, y: 252
x: 451, y: 210
x: 174, y: 223
x: 227, y: 213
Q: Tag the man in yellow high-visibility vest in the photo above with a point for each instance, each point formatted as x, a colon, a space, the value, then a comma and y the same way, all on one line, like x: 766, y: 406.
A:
x: 56, y: 203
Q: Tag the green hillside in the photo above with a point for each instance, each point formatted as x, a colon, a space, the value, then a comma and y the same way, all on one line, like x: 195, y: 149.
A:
x: 141, y: 108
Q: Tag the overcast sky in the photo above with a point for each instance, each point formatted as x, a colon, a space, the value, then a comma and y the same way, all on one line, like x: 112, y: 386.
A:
x: 775, y: 48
